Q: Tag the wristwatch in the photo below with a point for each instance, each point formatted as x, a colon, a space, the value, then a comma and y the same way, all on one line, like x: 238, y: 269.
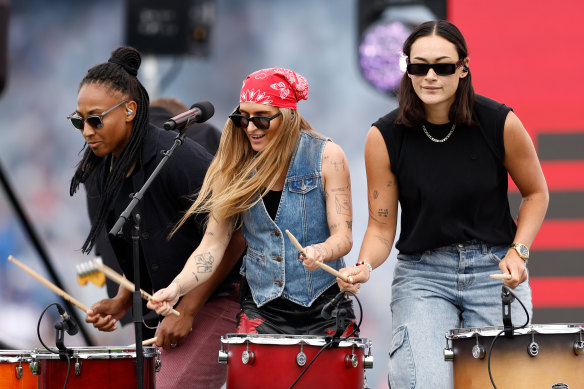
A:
x: 522, y: 250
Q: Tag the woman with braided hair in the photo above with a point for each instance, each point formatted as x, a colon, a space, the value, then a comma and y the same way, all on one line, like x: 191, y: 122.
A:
x: 123, y: 150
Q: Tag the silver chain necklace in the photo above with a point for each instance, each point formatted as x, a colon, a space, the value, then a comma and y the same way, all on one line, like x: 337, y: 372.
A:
x: 438, y: 140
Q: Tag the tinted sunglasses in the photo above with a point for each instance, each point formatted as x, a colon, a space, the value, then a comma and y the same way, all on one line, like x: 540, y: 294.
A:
x: 261, y: 122
x: 94, y: 121
x: 441, y: 69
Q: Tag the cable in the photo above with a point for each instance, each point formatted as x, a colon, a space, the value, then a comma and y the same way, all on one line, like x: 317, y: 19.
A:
x: 330, y: 342
x: 48, y: 349
x: 499, y: 334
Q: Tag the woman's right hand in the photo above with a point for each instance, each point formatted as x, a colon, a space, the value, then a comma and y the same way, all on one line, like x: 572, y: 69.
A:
x: 163, y: 300
x: 105, y: 314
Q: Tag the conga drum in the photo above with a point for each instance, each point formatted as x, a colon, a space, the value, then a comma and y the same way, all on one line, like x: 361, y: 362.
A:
x: 15, y: 370
x: 96, y: 367
x: 277, y: 361
x: 537, y: 356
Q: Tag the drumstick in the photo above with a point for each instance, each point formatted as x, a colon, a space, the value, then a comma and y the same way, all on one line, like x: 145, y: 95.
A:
x: 110, y: 273
x: 501, y: 276
x: 147, y: 342
x: 323, y: 266
x: 48, y: 284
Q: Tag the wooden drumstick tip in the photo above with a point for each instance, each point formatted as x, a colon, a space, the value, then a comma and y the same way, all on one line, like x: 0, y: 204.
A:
x: 501, y: 276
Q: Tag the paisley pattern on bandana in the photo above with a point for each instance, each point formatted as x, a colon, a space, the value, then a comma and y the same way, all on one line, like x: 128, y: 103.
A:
x: 278, y: 87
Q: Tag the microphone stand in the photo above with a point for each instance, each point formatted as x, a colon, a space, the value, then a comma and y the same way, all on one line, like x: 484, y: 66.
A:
x: 506, y: 299
x: 117, y: 230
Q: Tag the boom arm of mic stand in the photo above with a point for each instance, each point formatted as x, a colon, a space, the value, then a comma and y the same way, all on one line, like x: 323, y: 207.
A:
x: 117, y: 228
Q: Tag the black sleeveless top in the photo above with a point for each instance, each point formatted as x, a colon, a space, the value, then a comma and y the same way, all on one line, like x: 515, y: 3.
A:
x: 454, y: 191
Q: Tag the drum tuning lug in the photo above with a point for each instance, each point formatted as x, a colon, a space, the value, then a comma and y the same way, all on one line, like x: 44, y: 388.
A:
x: 351, y: 360
x: 533, y: 349
x: 579, y: 347
x: 368, y: 362
x: 223, y: 356
x: 157, y: 364
x: 34, y: 367
x: 18, y: 371
x: 248, y: 357
x: 478, y: 351
x: 78, y: 366
x: 448, y: 352
x: 301, y: 357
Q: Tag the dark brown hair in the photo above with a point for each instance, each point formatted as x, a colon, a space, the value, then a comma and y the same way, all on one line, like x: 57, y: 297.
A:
x: 412, y: 111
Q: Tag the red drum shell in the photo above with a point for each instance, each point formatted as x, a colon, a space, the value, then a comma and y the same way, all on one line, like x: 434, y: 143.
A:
x: 10, y: 361
x: 111, y: 368
x: 275, y: 366
x: 511, y: 364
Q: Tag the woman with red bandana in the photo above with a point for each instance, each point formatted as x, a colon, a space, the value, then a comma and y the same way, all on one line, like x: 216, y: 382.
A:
x: 273, y: 173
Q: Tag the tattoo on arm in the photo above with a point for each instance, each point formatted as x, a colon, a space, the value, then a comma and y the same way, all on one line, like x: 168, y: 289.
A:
x: 385, y: 242
x: 383, y: 212
x: 349, y: 224
x: 204, y: 263
x: 375, y: 194
x: 343, y: 204
x: 333, y: 228
x: 372, y: 215
x: 180, y: 289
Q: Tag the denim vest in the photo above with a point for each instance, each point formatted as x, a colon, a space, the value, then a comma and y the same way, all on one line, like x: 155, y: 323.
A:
x: 271, y: 264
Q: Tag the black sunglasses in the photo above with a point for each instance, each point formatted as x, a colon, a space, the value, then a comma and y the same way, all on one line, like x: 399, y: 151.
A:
x: 94, y: 121
x: 261, y: 122
x: 441, y: 69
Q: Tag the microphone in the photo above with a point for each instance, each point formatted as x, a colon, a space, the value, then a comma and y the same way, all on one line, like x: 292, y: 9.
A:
x: 198, y: 113
x: 328, y: 308
x: 68, y: 323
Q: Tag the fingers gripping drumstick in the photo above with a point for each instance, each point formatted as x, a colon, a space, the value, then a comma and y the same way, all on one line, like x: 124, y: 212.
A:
x: 48, y: 284
x: 323, y: 266
x: 96, y: 265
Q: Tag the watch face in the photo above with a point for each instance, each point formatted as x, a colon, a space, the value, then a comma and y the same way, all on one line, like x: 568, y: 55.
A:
x: 522, y: 249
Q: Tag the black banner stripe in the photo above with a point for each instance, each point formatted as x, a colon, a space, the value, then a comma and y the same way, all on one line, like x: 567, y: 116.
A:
x: 556, y: 263
x: 557, y: 315
x: 563, y: 205
x: 560, y: 146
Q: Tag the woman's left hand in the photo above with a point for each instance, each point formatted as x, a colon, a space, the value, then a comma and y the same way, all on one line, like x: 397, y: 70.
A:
x: 314, y: 253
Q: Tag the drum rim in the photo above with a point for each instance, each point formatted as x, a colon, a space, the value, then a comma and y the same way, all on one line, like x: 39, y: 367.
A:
x: 285, y: 340
x: 567, y: 328
x: 13, y: 356
x: 96, y: 352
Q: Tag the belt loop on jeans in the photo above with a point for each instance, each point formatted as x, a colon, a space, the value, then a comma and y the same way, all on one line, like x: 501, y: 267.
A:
x: 484, y: 248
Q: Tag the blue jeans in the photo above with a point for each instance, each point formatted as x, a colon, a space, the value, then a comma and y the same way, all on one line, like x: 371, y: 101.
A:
x: 439, y: 290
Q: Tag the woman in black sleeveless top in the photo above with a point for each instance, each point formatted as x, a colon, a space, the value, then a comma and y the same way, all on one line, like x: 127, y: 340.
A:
x: 444, y: 155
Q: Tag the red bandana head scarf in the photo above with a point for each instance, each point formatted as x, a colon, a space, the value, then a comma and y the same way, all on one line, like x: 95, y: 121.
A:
x: 277, y: 87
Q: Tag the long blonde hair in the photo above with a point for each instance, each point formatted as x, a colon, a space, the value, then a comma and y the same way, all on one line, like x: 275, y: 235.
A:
x: 238, y: 174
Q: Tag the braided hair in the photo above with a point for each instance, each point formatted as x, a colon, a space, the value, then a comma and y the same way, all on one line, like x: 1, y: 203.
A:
x: 118, y: 74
